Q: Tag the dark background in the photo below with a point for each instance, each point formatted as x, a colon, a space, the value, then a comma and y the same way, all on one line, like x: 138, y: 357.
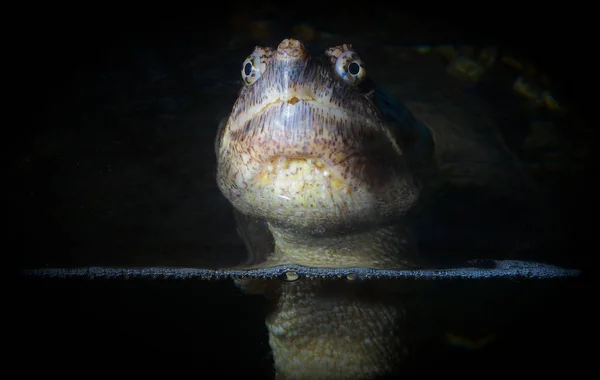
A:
x: 208, y: 330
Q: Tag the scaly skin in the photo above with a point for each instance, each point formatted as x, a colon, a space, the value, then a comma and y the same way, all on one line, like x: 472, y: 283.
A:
x: 311, y: 154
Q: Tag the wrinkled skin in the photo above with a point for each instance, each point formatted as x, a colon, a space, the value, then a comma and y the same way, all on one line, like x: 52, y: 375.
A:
x: 311, y: 154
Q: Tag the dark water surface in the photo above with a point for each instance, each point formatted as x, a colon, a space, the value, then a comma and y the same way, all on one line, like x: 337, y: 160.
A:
x: 118, y: 170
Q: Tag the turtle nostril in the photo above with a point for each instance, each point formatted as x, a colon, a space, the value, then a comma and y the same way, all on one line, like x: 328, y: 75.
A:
x: 291, y: 49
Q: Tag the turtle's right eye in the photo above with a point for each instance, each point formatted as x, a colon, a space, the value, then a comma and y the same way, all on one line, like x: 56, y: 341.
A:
x: 255, y: 65
x: 250, y: 71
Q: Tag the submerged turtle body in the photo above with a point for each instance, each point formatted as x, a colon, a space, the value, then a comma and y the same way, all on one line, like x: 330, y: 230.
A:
x: 336, y: 169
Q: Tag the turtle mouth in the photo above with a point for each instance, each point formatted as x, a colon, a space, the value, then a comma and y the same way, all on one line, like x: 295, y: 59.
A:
x: 293, y: 104
x: 291, y: 99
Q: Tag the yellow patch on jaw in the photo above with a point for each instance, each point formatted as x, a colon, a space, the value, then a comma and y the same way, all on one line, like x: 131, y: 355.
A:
x: 337, y: 184
x: 300, y: 177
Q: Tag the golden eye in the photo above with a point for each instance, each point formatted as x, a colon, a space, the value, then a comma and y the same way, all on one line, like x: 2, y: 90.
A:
x: 350, y: 68
x: 252, y: 68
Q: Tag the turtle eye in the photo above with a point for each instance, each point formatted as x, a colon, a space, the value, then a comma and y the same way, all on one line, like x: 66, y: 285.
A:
x: 254, y: 66
x: 350, y: 68
x: 250, y: 70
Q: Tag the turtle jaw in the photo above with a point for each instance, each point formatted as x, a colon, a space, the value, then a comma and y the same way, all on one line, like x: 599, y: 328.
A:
x: 313, y: 174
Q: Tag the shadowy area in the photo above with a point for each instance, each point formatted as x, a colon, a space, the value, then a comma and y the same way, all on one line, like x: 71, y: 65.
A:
x: 124, y: 109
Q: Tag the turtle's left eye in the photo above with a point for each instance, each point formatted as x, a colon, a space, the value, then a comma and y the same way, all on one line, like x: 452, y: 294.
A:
x: 350, y: 68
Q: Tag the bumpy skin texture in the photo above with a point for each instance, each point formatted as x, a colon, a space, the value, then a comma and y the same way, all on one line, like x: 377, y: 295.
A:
x: 307, y: 149
x: 335, y: 330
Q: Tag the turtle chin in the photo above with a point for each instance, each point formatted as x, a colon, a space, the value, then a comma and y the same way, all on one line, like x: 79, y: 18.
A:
x: 305, y: 192
x: 310, y: 194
